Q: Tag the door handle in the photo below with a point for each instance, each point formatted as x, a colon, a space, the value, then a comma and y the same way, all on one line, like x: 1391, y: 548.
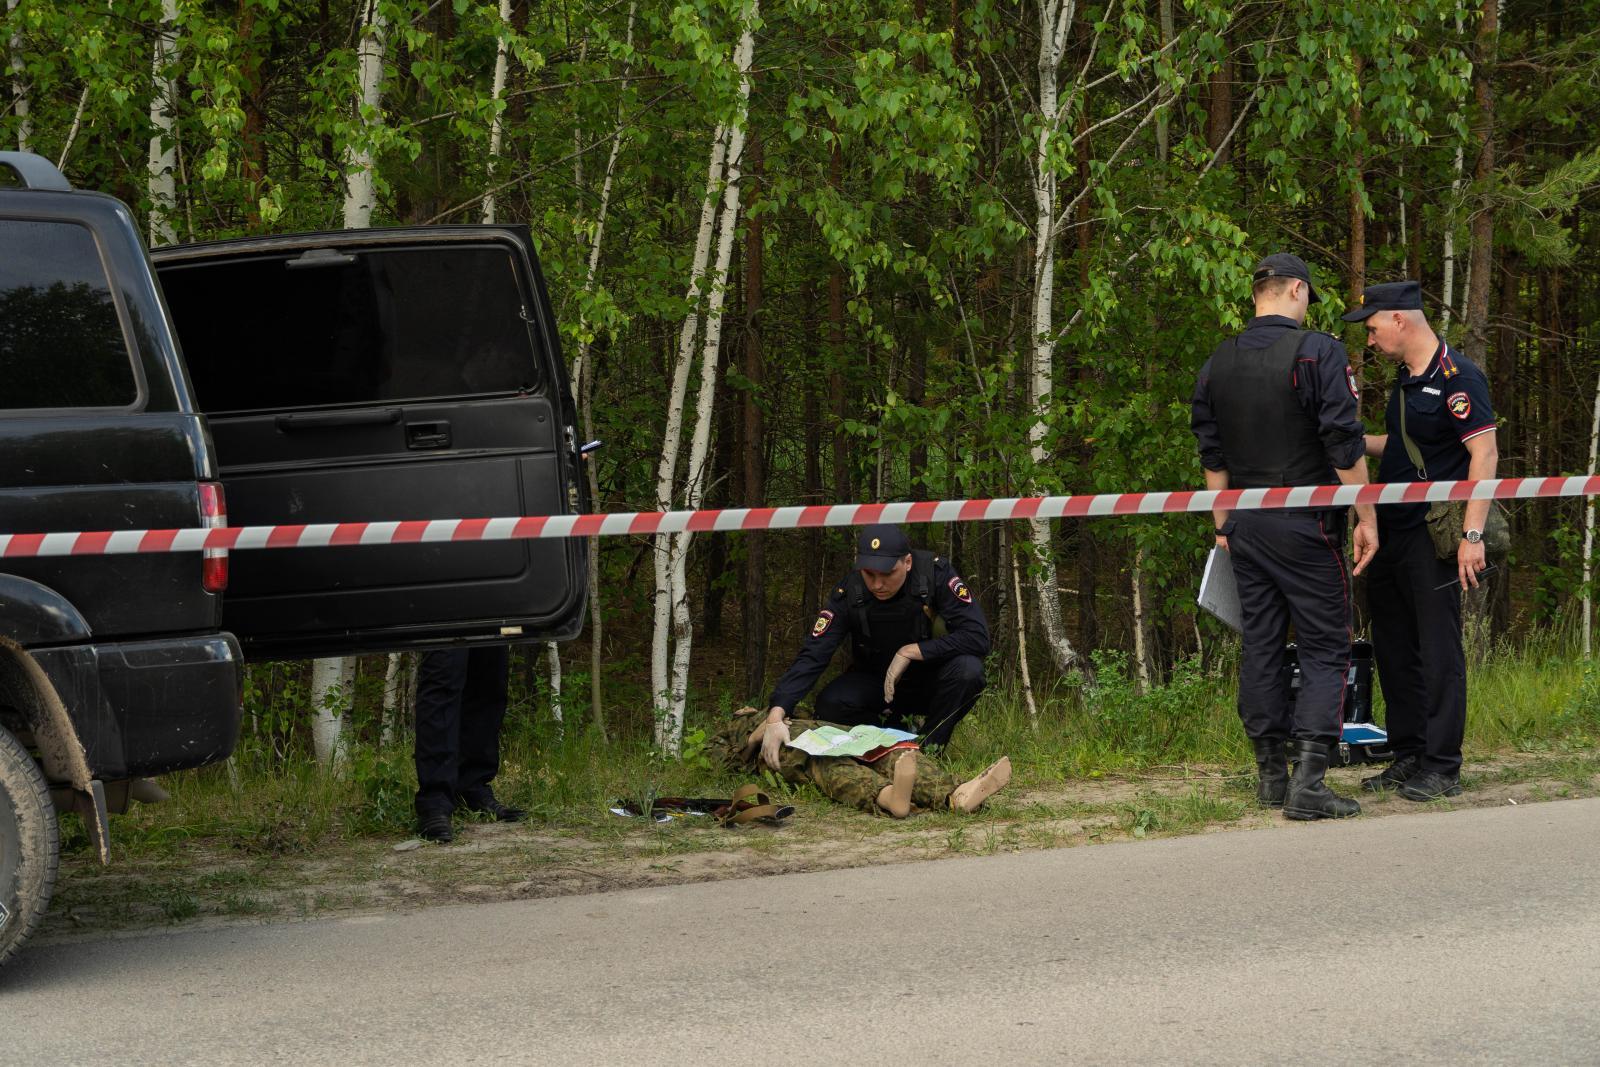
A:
x: 333, y: 420
x: 428, y: 434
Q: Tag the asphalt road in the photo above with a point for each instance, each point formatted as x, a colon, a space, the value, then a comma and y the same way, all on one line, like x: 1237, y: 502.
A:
x: 1454, y: 937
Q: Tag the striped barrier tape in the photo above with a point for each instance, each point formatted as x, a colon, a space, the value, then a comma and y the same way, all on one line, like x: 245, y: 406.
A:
x: 639, y: 523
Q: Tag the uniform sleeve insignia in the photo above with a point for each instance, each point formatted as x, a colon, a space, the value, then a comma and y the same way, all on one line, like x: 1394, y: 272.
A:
x: 1350, y: 380
x: 1460, y: 405
x: 820, y: 627
x: 959, y: 588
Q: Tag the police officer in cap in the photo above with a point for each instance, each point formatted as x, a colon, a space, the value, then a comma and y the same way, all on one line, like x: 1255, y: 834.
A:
x: 917, y: 643
x: 1276, y: 406
x: 1440, y: 399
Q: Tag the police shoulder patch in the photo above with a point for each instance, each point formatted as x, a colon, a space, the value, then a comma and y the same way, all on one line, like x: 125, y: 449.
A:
x: 824, y: 620
x: 1350, y: 380
x: 1460, y: 405
x: 959, y: 589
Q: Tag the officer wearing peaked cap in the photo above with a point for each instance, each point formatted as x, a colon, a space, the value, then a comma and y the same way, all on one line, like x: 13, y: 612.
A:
x: 1276, y: 406
x: 1440, y: 399
x: 917, y: 641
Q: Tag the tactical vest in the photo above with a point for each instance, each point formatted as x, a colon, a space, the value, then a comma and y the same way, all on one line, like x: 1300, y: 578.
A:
x: 880, y: 628
x: 1268, y: 439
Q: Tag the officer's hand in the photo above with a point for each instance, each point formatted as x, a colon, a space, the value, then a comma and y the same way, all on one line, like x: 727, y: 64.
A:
x: 773, y: 738
x: 897, y: 667
x: 1222, y: 542
x: 1365, y: 544
x: 1470, y: 559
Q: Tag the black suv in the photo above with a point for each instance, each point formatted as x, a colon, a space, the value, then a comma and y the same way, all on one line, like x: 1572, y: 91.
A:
x: 363, y: 375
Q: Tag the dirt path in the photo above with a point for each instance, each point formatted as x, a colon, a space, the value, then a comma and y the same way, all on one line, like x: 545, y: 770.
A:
x: 209, y: 881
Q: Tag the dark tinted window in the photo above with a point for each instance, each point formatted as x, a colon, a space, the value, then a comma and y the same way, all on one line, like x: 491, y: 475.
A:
x: 298, y: 331
x: 61, y: 343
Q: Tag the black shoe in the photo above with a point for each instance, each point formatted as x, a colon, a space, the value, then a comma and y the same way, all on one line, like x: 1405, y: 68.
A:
x: 1431, y: 785
x: 435, y: 828
x: 1309, y: 797
x: 1394, y: 776
x: 1272, y: 771
x: 494, y: 809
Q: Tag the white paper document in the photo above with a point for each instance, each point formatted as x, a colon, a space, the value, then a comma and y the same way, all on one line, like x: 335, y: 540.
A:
x: 1218, y: 593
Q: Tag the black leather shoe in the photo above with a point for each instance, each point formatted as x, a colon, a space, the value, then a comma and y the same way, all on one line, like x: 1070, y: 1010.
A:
x: 1394, y: 776
x: 435, y: 828
x: 495, y: 810
x: 1431, y: 785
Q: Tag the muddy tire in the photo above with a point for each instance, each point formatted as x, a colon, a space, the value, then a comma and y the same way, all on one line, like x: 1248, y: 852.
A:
x: 29, y: 845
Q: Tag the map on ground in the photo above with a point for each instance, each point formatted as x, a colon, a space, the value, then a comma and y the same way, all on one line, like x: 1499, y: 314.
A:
x: 857, y: 741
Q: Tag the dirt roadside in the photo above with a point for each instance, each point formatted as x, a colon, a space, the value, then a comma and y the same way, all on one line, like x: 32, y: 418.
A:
x: 209, y: 882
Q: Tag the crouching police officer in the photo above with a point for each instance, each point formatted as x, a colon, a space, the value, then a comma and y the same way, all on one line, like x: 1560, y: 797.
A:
x: 1276, y: 406
x: 917, y: 645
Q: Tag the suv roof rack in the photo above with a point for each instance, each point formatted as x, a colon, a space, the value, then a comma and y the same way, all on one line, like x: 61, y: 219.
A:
x: 34, y: 171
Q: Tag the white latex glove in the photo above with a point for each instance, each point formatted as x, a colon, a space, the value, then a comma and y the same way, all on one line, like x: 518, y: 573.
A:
x: 772, y: 742
x: 897, y: 667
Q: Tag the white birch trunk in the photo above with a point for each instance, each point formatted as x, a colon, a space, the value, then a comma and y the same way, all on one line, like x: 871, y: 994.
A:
x: 163, y: 164
x: 553, y: 657
x: 1141, y: 647
x: 497, y: 124
x: 360, y: 191
x: 669, y: 732
x: 1588, y: 529
x: 332, y: 681
x: 361, y: 187
x: 580, y: 365
x: 583, y: 390
x: 1055, y: 16
x: 1022, y: 640
x: 672, y: 438
x: 393, y: 686
x: 21, y: 104
x: 1450, y: 230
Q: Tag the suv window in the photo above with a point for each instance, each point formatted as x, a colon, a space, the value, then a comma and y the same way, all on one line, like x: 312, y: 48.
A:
x: 61, y: 341
x: 327, y: 327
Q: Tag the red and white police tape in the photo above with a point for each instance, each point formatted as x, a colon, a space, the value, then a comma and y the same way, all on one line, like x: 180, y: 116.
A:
x: 637, y: 523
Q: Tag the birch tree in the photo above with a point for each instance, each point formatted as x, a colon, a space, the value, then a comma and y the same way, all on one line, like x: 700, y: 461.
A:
x: 361, y: 187
x: 327, y: 675
x: 497, y: 123
x: 672, y: 605
x: 163, y: 163
x: 19, y: 84
x: 332, y: 685
x: 1055, y: 19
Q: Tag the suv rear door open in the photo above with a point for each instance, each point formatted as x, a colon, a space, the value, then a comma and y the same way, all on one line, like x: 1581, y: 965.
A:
x: 378, y: 375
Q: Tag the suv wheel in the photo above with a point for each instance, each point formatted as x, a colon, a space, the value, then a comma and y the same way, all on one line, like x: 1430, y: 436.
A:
x: 29, y: 844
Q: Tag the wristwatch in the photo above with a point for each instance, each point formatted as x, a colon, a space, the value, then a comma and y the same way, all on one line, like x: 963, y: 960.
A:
x: 1473, y: 536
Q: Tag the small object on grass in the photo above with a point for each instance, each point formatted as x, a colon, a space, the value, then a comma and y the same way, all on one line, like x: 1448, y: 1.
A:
x: 752, y: 804
x: 409, y: 845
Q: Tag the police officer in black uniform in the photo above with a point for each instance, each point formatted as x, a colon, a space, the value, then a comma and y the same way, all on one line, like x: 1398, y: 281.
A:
x: 1414, y: 596
x: 461, y: 704
x: 1276, y: 406
x: 917, y: 643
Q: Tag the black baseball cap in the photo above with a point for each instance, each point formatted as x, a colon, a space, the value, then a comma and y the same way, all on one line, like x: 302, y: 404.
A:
x: 1283, y: 265
x: 880, y: 547
x: 1388, y: 296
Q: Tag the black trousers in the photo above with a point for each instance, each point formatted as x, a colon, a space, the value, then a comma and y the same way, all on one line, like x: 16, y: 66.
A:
x: 1416, y: 640
x: 1289, y: 567
x: 461, y: 703
x: 941, y: 692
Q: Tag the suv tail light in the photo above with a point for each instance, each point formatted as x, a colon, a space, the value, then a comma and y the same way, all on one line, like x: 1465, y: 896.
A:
x: 213, y: 561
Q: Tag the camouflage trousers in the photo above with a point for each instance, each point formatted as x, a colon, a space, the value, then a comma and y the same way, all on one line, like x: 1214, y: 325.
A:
x: 839, y: 778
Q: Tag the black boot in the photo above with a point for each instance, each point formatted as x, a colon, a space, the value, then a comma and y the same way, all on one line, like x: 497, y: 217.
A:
x: 1309, y: 797
x: 1272, y: 771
